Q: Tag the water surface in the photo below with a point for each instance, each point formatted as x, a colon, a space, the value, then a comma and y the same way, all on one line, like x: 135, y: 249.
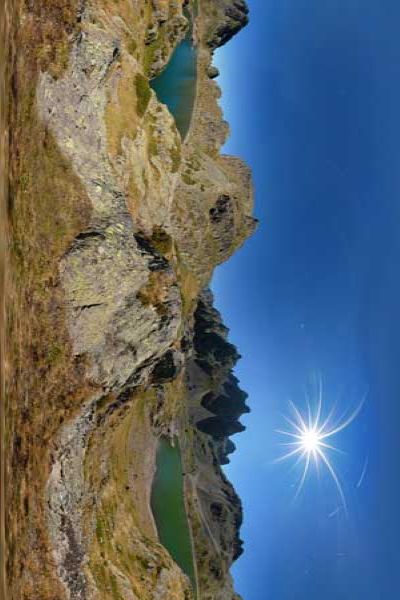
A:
x: 176, y: 84
x: 168, y: 506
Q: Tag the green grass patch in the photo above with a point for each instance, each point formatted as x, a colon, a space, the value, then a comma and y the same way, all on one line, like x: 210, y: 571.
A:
x: 176, y: 158
x: 152, y: 145
x: 186, y: 178
x: 132, y: 46
x: 143, y: 93
x: 100, y: 530
x: 114, y: 588
x: 54, y: 353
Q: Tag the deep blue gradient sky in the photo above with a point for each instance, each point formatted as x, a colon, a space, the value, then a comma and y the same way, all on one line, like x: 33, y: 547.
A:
x: 312, y: 93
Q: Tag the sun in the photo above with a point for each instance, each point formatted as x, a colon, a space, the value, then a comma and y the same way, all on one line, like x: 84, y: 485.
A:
x: 310, y: 440
x: 310, y: 434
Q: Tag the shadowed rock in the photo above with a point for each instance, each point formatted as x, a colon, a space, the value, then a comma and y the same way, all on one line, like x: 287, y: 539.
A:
x: 232, y: 17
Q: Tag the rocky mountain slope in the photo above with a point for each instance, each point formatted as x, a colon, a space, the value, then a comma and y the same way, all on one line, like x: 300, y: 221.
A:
x: 115, y: 226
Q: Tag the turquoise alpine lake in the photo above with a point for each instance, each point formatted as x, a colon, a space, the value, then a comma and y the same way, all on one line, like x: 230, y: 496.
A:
x: 168, y: 506
x: 176, y: 84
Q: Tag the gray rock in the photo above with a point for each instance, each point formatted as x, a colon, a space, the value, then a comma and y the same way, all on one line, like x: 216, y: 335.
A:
x: 213, y: 72
x: 232, y: 17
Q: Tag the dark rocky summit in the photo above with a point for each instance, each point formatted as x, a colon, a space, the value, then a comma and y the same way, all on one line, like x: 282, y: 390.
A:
x: 232, y: 17
x: 213, y: 72
x: 224, y: 402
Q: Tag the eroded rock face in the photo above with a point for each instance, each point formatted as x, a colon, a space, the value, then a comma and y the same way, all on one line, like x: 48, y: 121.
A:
x: 232, y: 17
x: 122, y: 299
x: 216, y: 404
x: 110, y: 322
x: 214, y: 359
x: 109, y: 264
x: 67, y: 495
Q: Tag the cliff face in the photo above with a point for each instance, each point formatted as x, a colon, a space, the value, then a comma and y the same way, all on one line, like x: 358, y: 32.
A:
x: 116, y: 225
x: 215, y: 404
x: 224, y: 19
x: 216, y: 357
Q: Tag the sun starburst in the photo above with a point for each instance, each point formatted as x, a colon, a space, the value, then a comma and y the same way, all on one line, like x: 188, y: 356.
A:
x: 310, y: 435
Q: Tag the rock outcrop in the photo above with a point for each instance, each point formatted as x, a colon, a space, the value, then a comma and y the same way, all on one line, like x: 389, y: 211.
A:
x: 226, y: 19
x: 116, y: 225
x: 225, y: 402
x: 216, y: 403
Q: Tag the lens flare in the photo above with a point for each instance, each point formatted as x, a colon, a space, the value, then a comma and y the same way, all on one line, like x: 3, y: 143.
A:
x: 310, y: 440
x: 310, y: 435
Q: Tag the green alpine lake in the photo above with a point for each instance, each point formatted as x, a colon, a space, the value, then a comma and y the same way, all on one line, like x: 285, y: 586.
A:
x: 176, y: 84
x: 168, y: 506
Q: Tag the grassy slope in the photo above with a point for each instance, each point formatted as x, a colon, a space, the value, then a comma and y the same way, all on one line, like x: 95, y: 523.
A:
x: 47, y: 209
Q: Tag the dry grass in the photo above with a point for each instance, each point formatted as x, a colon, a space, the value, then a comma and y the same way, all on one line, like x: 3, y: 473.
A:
x: 143, y: 94
x: 155, y: 292
x: 121, y: 116
x: 47, y: 209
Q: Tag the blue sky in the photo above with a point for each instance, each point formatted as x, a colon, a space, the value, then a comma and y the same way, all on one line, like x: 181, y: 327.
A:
x: 312, y: 93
